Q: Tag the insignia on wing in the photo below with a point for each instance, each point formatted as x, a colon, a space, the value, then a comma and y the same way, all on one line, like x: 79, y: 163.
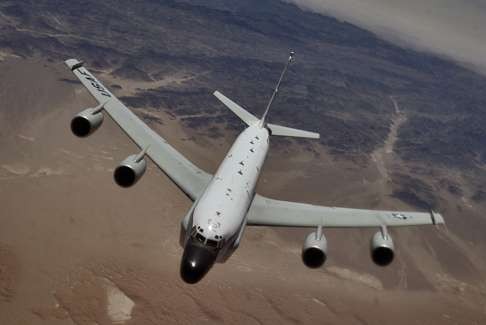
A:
x: 94, y: 82
x: 400, y: 216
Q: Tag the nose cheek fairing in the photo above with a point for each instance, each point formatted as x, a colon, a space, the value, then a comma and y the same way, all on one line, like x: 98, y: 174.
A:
x: 196, y: 261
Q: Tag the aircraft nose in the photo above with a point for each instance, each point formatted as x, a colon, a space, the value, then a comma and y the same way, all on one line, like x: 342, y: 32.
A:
x: 196, y: 262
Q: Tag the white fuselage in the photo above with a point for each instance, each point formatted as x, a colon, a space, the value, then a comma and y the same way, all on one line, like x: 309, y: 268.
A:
x: 220, y: 213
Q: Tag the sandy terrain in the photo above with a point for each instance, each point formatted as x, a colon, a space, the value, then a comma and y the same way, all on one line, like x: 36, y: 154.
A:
x: 76, y: 249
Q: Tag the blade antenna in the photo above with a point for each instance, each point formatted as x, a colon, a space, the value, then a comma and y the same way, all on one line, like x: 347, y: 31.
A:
x: 275, y: 92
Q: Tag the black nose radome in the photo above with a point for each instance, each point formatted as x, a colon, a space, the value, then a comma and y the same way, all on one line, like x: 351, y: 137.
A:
x: 196, y: 262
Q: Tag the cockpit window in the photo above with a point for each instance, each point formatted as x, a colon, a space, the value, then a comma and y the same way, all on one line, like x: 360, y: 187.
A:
x: 205, y: 241
x: 200, y: 238
x: 212, y: 243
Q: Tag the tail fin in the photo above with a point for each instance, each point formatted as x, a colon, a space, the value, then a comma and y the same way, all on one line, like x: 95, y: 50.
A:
x: 290, y: 132
x: 242, y: 113
x: 275, y: 91
x: 251, y: 119
x: 283, y: 130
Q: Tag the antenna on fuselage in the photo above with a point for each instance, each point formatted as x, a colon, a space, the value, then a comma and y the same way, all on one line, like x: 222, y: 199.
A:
x: 275, y: 91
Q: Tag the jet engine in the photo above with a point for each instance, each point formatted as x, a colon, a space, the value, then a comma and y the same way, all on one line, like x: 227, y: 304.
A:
x: 86, y: 122
x: 130, y: 170
x: 314, y: 252
x: 382, y: 249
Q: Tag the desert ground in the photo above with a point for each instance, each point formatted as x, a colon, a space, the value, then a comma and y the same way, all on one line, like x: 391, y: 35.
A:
x: 77, y: 249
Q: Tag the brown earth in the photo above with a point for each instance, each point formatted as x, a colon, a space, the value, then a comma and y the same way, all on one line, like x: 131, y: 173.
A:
x: 76, y: 249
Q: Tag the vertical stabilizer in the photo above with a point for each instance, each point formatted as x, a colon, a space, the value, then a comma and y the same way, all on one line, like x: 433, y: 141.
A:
x: 275, y: 91
x: 239, y: 111
x: 251, y: 119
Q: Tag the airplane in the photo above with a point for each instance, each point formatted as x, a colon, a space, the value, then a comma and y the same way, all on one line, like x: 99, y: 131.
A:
x: 225, y: 203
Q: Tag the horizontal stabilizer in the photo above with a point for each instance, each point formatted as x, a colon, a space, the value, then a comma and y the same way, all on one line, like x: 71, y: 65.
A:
x: 242, y: 113
x: 290, y: 132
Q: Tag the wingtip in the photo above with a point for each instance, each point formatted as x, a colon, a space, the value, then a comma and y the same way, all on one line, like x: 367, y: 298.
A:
x: 73, y: 64
x: 437, y: 218
x: 313, y: 135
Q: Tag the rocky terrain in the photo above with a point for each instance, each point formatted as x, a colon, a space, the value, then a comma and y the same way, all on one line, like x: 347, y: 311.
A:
x: 341, y: 81
x: 400, y: 129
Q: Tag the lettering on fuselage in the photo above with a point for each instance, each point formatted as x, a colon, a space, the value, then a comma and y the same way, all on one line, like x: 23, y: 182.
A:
x: 94, y: 83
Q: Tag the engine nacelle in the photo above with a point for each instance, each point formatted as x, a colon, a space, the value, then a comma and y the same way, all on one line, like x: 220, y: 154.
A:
x: 130, y: 171
x: 382, y: 249
x: 86, y: 122
x: 314, y: 252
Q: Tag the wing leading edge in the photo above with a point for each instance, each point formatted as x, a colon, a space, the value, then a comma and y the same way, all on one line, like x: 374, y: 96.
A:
x: 270, y: 212
x: 188, y: 177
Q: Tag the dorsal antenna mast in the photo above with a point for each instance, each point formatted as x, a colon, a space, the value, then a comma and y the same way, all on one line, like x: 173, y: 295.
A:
x: 275, y: 92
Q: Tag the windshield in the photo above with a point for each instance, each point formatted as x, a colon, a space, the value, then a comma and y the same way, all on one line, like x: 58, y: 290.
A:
x: 200, y: 238
x: 196, y: 235
x: 212, y: 243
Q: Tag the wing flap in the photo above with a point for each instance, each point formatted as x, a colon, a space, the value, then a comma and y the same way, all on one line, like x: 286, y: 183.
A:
x: 188, y: 177
x: 270, y: 212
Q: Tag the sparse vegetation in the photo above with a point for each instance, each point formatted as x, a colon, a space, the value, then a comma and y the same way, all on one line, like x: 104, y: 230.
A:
x: 339, y: 86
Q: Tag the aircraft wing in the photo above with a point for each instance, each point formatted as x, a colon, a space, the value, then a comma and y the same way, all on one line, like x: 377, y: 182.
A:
x: 270, y: 212
x: 188, y: 177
